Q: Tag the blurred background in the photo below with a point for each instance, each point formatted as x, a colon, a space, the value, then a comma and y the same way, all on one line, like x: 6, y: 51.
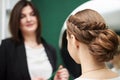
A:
x: 52, y: 12
x: 53, y: 15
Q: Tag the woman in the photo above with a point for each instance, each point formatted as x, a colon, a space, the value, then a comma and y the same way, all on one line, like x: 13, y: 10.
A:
x: 91, y: 44
x: 26, y: 56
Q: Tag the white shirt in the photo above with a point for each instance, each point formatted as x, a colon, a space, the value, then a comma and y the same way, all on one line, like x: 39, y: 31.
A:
x: 117, y: 78
x: 116, y: 70
x: 38, y: 63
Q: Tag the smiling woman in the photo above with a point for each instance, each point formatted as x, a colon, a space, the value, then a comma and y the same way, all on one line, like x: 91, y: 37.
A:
x: 26, y: 55
x: 28, y: 21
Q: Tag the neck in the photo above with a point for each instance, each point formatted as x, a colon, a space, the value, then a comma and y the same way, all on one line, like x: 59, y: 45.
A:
x: 30, y: 40
x: 29, y: 37
x: 94, y: 70
x: 88, y: 61
x: 91, y: 67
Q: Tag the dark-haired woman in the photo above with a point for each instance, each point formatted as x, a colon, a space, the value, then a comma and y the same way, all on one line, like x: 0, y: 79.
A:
x: 26, y: 56
x: 91, y: 44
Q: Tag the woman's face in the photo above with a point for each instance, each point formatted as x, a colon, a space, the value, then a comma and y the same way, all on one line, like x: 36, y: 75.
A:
x: 28, y: 20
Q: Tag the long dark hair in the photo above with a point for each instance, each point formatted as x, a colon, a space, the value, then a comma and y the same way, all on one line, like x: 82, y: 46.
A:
x: 14, y: 23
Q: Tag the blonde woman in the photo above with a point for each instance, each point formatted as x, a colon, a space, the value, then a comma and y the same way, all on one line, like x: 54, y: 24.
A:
x: 91, y: 43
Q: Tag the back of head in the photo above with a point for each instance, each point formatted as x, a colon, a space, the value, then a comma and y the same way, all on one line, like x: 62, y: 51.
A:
x: 89, y: 27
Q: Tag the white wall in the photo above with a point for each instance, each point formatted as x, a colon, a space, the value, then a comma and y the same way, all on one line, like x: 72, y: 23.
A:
x: 2, y: 18
x: 5, y: 9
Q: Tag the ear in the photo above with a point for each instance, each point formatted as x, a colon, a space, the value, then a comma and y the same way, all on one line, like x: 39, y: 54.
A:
x: 74, y: 41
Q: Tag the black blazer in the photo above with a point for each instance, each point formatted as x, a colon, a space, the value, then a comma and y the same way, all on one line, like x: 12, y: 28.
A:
x: 13, y: 61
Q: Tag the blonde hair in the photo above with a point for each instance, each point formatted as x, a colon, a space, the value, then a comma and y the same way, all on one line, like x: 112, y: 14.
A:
x: 89, y: 27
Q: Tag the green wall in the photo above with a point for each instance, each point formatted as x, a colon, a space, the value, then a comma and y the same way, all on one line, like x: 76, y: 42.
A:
x: 53, y: 14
